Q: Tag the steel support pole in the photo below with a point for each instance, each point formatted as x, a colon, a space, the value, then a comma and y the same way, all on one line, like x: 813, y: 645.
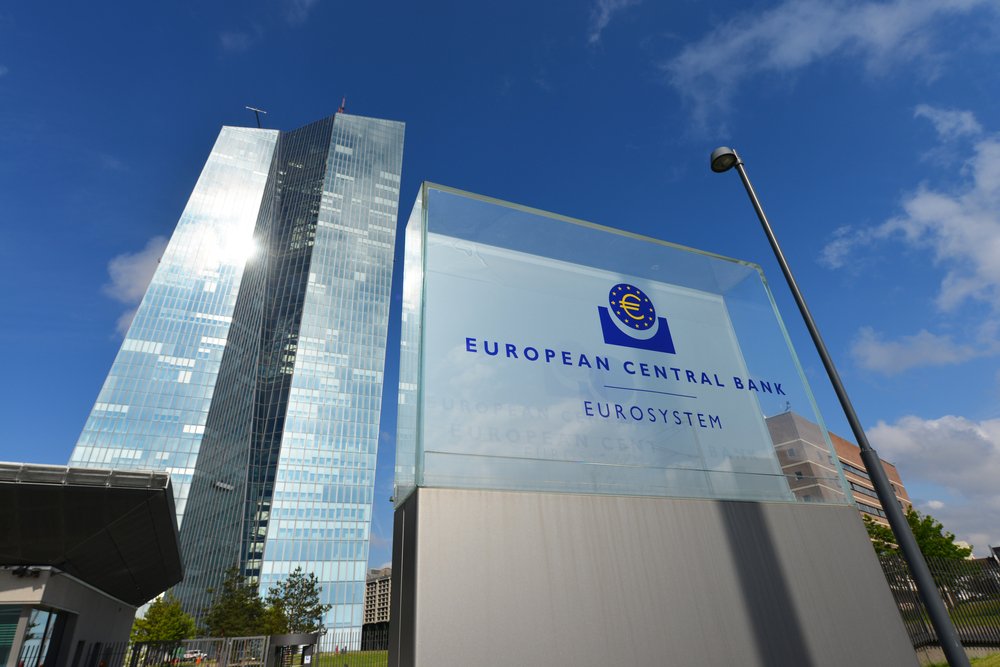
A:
x: 928, y: 590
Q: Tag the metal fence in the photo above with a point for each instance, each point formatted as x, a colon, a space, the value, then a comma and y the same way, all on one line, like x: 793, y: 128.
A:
x: 971, y: 592
x: 216, y: 652
x: 337, y: 649
x: 375, y: 636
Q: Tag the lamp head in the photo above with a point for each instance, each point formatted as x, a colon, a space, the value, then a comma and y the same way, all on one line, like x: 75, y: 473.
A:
x: 724, y: 159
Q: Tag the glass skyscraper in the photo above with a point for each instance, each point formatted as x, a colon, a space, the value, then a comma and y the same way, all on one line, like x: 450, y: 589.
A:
x: 252, y: 371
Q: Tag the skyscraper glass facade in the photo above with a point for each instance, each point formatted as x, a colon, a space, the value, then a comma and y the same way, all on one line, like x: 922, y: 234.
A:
x: 288, y: 441
x: 152, y: 410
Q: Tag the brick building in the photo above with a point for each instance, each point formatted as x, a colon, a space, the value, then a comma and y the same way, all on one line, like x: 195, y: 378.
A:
x: 812, y: 475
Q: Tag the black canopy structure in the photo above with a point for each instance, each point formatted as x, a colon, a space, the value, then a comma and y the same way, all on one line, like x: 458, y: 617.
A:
x: 115, y: 530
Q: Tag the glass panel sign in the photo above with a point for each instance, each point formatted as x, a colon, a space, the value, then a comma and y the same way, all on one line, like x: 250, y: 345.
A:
x: 543, y: 353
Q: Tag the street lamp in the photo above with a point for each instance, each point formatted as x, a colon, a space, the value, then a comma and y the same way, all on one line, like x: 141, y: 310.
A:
x: 723, y: 159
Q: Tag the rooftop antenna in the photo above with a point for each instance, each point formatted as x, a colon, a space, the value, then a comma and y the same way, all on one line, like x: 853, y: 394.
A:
x: 343, y: 105
x: 257, y: 113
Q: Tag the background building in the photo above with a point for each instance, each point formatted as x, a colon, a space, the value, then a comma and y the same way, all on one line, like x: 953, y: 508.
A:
x: 811, y: 473
x: 375, y: 631
x: 252, y: 371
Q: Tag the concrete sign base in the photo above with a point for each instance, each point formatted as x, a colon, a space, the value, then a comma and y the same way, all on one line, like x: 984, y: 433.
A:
x: 492, y: 578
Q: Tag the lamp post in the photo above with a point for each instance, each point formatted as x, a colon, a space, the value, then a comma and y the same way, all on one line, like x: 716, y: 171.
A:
x: 723, y: 159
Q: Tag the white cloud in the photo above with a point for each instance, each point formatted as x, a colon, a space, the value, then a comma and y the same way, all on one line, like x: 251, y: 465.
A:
x: 294, y: 12
x: 130, y: 274
x: 111, y: 163
x: 837, y: 252
x: 797, y: 33
x: 235, y: 41
x: 601, y: 14
x: 4, y: 70
x: 870, y: 351
x: 297, y: 11
x: 959, y: 454
x: 950, y: 124
x: 961, y: 228
x: 124, y: 320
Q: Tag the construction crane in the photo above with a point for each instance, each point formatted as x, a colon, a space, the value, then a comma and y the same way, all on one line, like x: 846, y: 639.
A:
x: 257, y: 113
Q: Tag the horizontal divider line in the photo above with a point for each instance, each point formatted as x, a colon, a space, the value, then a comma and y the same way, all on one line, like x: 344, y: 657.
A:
x: 651, y: 391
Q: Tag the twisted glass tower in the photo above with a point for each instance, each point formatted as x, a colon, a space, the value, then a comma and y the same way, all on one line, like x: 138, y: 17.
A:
x: 252, y: 371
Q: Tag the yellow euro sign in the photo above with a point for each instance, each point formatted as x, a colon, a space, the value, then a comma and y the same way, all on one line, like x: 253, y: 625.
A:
x: 630, y: 304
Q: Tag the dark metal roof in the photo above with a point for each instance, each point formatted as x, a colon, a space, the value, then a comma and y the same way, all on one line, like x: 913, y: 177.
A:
x: 114, y: 529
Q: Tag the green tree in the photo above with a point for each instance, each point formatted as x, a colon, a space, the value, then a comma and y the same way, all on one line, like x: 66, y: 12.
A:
x: 934, y: 541
x: 945, y: 559
x: 297, y: 600
x: 274, y: 621
x: 236, y: 609
x: 165, y: 620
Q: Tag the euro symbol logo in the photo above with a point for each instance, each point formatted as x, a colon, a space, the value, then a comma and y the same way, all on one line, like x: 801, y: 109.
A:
x: 634, y: 309
x: 630, y: 304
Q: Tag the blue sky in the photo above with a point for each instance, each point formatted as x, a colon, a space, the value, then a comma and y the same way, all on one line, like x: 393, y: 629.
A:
x: 870, y: 129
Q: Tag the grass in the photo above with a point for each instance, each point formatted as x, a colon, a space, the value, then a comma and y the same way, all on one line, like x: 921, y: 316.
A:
x: 353, y: 659
x: 988, y: 661
x: 986, y: 612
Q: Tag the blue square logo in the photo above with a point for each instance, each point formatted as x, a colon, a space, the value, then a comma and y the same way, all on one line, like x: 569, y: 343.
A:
x: 631, y: 310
